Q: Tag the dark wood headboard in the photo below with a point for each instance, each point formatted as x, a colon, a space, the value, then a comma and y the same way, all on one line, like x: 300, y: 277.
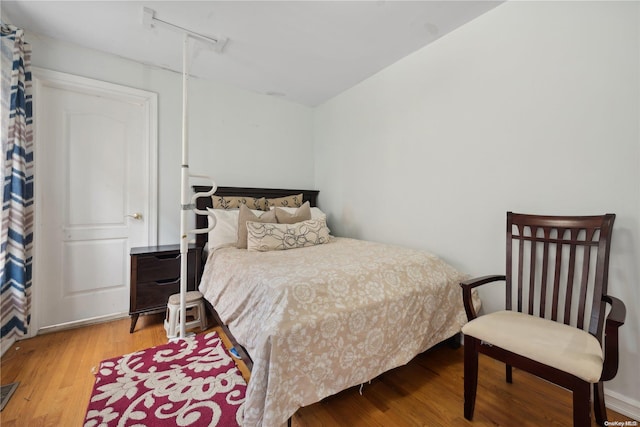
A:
x: 205, y: 202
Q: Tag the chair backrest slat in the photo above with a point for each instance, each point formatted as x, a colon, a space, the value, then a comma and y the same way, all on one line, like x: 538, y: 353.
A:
x: 570, y: 276
x: 520, y: 274
x: 532, y: 273
x: 586, y: 261
x: 556, y: 276
x: 545, y: 271
x: 564, y: 261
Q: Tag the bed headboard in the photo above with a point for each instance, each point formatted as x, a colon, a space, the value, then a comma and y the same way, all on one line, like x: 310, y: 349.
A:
x: 205, y: 202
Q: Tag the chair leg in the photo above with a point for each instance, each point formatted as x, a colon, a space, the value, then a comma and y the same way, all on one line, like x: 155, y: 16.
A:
x: 598, y: 404
x: 470, y: 375
x: 509, y: 374
x: 582, y: 405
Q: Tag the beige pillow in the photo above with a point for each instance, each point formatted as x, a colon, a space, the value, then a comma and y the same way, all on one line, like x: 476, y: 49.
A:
x: 245, y: 215
x: 303, y: 213
x: 276, y: 237
x: 316, y: 213
x: 234, y: 202
x: 293, y: 201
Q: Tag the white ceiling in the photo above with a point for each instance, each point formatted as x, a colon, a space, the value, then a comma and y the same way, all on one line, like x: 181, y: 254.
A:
x: 303, y: 51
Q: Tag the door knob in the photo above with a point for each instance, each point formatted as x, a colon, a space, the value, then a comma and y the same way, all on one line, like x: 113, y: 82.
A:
x: 136, y: 215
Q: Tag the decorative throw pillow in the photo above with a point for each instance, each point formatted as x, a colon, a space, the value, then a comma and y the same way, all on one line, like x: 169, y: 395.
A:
x: 234, y: 202
x: 293, y: 201
x: 303, y: 213
x: 276, y: 237
x: 246, y: 215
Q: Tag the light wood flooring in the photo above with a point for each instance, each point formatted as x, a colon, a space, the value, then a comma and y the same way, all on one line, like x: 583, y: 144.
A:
x: 56, y: 379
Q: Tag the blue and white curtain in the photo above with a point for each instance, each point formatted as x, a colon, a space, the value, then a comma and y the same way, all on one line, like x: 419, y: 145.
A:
x: 16, y: 236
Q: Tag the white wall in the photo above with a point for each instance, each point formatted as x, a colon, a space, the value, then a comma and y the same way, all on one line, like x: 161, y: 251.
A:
x: 238, y: 137
x: 533, y: 107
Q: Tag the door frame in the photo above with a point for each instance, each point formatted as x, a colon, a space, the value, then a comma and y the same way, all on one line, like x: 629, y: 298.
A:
x: 149, y: 101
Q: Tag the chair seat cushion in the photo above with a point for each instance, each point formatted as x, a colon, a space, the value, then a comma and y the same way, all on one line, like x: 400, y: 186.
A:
x: 552, y: 343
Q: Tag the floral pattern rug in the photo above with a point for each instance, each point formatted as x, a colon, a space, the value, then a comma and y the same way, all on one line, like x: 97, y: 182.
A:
x: 191, y: 382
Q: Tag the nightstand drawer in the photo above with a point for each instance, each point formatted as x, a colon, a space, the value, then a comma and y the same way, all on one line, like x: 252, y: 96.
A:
x: 158, y: 267
x: 156, y: 294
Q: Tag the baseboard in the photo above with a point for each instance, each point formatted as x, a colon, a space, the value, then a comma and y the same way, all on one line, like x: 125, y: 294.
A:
x: 622, y: 405
x: 80, y: 323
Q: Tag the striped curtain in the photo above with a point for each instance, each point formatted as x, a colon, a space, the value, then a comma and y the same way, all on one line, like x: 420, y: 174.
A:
x: 16, y: 237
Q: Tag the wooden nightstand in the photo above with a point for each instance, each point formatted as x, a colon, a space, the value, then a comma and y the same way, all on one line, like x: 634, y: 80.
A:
x: 155, y: 276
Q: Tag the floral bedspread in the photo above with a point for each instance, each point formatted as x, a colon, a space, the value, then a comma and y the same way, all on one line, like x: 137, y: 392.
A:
x: 321, y: 319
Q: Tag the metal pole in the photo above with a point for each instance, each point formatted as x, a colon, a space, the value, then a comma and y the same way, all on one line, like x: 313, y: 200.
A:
x: 185, y: 199
x: 187, y: 204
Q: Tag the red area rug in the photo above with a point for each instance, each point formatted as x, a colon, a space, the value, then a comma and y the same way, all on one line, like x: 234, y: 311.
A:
x: 193, y: 382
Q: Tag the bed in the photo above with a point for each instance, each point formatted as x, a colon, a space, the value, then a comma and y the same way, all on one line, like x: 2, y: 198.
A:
x: 316, y: 320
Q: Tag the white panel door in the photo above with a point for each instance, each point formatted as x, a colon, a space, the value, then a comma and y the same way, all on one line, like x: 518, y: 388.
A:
x: 95, y: 195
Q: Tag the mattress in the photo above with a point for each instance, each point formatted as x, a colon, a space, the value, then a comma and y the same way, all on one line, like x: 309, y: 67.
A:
x: 321, y: 319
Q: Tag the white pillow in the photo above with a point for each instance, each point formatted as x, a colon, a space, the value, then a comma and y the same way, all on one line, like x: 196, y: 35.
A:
x: 316, y: 213
x: 225, y: 233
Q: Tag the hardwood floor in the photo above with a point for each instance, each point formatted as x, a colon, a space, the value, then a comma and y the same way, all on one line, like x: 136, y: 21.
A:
x: 55, y: 374
x: 429, y: 392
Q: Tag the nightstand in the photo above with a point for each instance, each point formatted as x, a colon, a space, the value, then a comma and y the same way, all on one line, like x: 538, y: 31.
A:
x: 155, y: 276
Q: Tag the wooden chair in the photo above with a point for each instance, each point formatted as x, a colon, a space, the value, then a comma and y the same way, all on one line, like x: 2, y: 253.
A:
x: 557, y: 269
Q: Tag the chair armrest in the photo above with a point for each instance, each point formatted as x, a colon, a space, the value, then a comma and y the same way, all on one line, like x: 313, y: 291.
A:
x: 614, y: 320
x: 468, y: 285
x: 618, y: 311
